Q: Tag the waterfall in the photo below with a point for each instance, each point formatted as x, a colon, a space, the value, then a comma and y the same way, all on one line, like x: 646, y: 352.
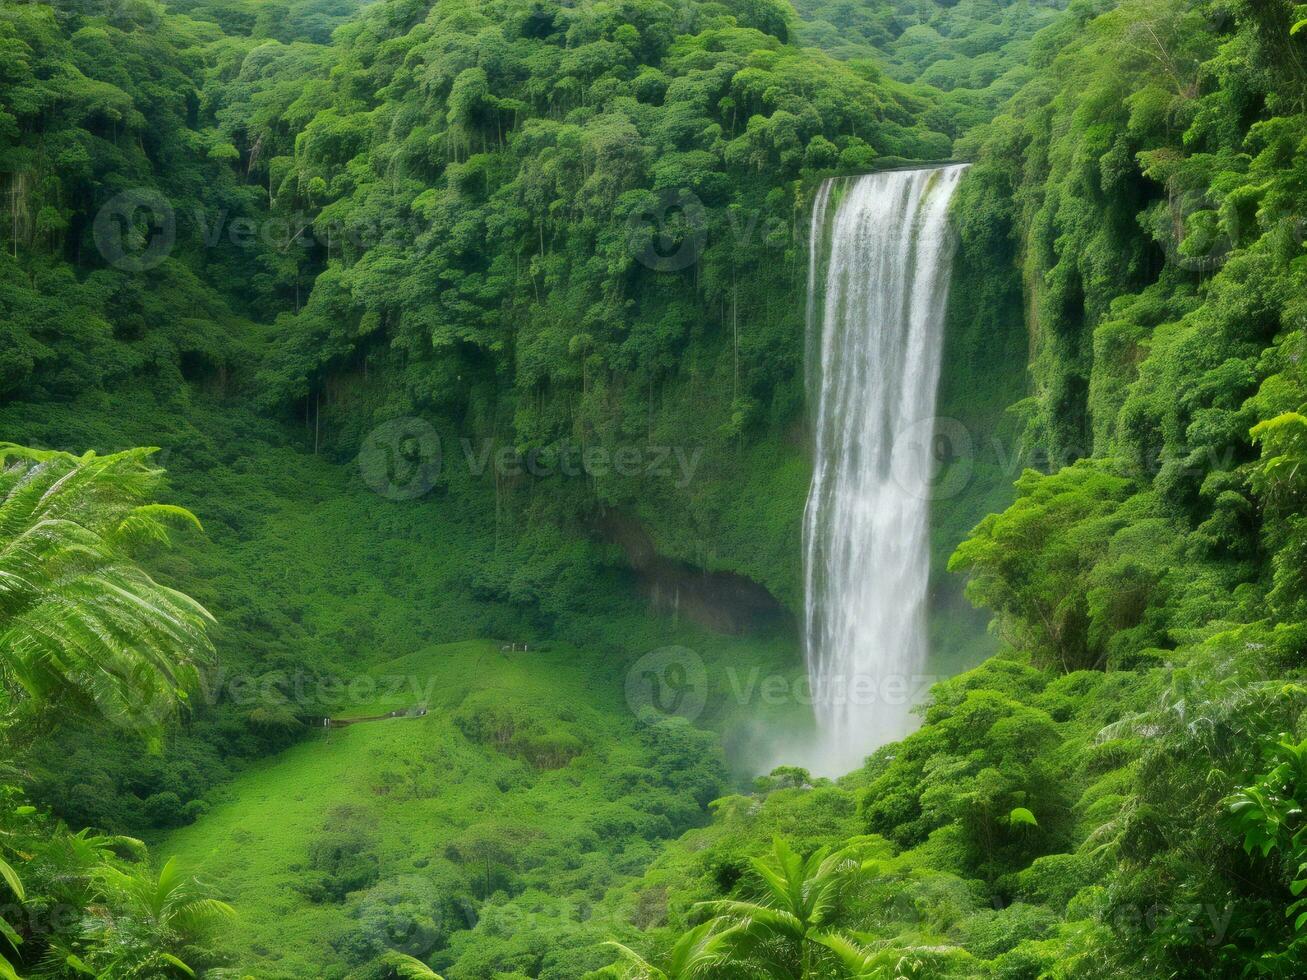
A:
x: 881, y: 254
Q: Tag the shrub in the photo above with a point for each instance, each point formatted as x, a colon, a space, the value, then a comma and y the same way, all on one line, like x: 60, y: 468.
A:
x: 344, y: 862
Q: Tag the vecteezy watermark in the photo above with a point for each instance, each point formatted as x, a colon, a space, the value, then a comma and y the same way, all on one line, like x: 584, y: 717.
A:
x: 404, y: 913
x: 147, y: 702
x: 297, y: 229
x: 938, y: 458
x: 1201, y: 234
x: 569, y: 459
x: 667, y: 231
x: 1205, y: 922
x: 400, y: 459
x: 673, y: 681
x: 667, y: 682
x: 309, y: 697
x: 38, y: 919
x: 857, y: 690
x: 933, y: 458
x: 1196, y: 232
x: 135, y: 230
x: 310, y: 693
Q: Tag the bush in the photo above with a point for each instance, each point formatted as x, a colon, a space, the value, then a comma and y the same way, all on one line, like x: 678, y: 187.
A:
x: 165, y: 810
x: 344, y: 862
x: 993, y: 932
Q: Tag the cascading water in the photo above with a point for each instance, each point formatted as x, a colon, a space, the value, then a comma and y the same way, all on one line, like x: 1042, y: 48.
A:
x: 881, y: 251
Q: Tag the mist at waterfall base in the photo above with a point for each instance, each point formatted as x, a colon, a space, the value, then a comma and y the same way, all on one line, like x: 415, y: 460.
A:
x: 881, y: 252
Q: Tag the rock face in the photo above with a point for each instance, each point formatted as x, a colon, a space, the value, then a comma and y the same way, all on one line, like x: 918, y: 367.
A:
x: 724, y: 602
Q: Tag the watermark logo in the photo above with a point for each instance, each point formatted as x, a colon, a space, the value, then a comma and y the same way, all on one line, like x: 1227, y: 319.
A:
x: 311, y: 693
x: 1197, y: 233
x: 400, y: 459
x: 148, y: 702
x: 1195, y: 922
x: 669, y: 682
x: 667, y: 234
x: 135, y: 230
x: 860, y: 689
x: 124, y: 14
x: 404, y: 913
x: 933, y: 458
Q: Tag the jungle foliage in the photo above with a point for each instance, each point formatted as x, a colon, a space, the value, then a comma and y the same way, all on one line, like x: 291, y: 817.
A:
x: 85, y: 631
x: 1118, y: 791
x: 253, y: 230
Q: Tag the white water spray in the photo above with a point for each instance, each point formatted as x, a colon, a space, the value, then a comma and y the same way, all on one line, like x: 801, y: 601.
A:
x: 882, y: 252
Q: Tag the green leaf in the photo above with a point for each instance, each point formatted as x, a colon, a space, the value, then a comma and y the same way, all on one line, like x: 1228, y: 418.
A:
x: 169, y: 958
x: 12, y: 880
x: 10, y: 934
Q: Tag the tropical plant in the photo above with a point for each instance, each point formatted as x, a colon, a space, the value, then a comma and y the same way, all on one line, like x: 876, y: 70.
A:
x: 171, y: 901
x: 867, y: 963
x: 127, y: 922
x: 85, y: 629
x: 150, y: 916
x: 791, y: 929
x: 706, y: 951
x: 10, y: 935
x: 1283, y: 441
x: 1269, y: 815
x: 800, y: 900
x: 79, y: 619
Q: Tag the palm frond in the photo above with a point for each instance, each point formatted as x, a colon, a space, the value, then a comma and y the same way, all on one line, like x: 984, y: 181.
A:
x: 12, y: 880
x: 78, y: 617
x: 758, y: 920
x: 853, y: 957
x: 647, y: 971
x: 200, y: 914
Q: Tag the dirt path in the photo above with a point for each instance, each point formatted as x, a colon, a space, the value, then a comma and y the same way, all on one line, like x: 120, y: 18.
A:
x: 417, y: 712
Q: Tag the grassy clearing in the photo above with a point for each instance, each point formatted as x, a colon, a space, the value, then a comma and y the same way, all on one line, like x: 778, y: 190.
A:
x: 407, y: 785
x: 527, y: 792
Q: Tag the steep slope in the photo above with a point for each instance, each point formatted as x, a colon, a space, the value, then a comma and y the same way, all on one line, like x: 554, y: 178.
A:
x: 564, y: 226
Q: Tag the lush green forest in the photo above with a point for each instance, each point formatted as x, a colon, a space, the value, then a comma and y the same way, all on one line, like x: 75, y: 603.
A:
x: 395, y: 394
